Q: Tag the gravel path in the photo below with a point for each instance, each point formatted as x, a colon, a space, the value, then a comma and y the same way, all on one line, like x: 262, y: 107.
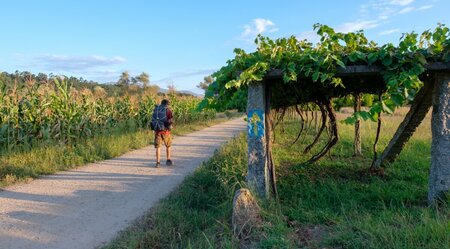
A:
x: 86, y: 207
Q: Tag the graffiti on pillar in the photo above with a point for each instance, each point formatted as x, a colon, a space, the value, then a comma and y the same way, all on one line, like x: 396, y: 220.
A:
x: 255, y: 123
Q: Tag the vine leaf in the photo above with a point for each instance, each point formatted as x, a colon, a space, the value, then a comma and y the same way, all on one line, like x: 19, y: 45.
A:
x: 340, y: 63
x: 315, y: 76
x: 371, y: 58
x: 388, y: 106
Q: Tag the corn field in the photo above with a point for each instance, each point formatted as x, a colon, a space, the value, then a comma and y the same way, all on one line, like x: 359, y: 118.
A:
x: 56, y: 112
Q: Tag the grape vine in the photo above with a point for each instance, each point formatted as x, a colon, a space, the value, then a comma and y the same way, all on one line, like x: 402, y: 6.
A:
x: 302, y: 60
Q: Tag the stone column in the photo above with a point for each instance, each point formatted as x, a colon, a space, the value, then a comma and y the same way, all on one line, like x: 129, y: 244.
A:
x: 439, y: 182
x: 258, y: 173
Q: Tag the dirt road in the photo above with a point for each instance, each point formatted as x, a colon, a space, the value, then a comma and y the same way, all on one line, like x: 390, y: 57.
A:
x: 86, y: 207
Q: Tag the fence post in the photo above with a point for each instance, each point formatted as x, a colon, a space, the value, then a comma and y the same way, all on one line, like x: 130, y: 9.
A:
x: 258, y: 173
x: 439, y: 181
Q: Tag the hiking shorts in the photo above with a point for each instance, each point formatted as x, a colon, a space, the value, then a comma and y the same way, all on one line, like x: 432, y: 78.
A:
x: 163, y: 137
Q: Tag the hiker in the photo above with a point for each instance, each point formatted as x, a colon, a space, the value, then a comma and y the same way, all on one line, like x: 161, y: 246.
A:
x: 162, y: 124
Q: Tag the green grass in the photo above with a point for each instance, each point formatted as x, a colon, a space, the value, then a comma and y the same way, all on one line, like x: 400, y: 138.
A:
x: 332, y: 204
x: 21, y: 166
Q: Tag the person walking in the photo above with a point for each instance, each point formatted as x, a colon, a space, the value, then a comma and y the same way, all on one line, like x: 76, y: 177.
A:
x: 161, y: 124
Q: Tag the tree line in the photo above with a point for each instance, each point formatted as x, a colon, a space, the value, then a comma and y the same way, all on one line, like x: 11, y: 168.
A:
x: 126, y: 84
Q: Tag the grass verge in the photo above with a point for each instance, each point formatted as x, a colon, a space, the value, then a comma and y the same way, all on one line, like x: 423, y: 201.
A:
x: 331, y: 204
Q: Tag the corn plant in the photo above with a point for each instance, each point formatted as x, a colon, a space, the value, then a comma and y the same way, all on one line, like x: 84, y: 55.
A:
x: 57, y: 113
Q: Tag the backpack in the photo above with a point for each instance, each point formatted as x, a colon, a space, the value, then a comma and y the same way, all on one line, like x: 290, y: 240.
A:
x: 159, y: 118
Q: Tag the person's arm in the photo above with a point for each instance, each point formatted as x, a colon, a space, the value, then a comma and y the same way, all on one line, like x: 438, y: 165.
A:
x: 169, y: 114
x: 169, y: 117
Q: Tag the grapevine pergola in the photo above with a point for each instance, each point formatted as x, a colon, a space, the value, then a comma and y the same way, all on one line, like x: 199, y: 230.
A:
x: 296, y: 74
x: 271, y: 93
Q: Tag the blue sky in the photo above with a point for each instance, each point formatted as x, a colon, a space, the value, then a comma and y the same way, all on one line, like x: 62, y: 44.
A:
x: 180, y: 42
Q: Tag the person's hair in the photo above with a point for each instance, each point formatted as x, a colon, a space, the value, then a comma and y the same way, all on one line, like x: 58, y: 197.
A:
x: 165, y: 102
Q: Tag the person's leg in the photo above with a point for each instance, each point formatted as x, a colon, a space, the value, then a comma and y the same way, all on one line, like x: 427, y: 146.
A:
x: 168, y: 144
x: 168, y: 152
x: 157, y: 143
x: 169, y: 161
x: 158, y: 155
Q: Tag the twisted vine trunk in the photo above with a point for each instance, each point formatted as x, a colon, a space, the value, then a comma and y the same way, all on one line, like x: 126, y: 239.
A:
x: 333, y: 133
x: 322, y: 127
x: 302, y: 121
x: 357, y: 142
x: 419, y: 109
x: 269, y: 129
x: 377, y: 137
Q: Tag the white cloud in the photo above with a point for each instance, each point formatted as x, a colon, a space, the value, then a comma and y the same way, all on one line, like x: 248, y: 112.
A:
x: 406, y: 10
x: 357, y: 25
x: 401, y: 2
x: 76, y: 63
x: 383, y: 10
x: 380, y: 9
x: 375, y: 13
x: 259, y: 26
x: 390, y: 31
x: 425, y: 7
x: 94, y: 67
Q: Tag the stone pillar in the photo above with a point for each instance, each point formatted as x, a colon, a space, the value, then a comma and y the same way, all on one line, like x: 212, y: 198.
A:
x: 439, y: 182
x: 258, y: 173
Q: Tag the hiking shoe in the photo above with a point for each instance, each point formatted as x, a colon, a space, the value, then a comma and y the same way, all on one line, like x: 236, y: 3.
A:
x: 169, y: 162
x: 158, y: 164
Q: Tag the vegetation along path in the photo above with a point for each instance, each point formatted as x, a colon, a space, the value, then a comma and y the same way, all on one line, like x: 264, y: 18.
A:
x: 86, y: 207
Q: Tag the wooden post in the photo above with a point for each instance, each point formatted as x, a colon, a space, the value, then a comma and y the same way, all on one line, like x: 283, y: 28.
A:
x: 439, y: 181
x: 258, y: 173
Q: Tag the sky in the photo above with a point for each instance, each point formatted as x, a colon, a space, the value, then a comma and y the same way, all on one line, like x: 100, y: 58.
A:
x: 180, y: 42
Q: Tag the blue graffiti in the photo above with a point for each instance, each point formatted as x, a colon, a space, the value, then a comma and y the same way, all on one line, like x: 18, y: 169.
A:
x: 255, y: 123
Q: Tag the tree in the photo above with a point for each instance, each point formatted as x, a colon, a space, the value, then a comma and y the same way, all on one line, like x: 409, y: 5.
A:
x: 124, y: 80
x: 42, y: 77
x: 26, y: 76
x: 144, y: 78
x: 134, y: 81
x: 206, y: 82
